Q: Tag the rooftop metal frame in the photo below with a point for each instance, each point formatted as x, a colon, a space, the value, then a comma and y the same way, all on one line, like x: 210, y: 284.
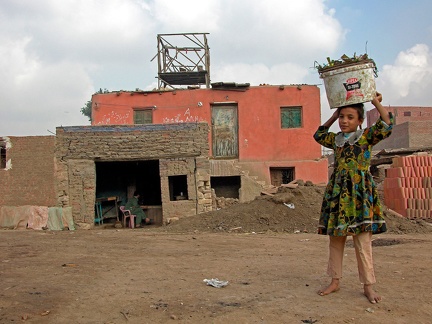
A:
x: 185, y: 64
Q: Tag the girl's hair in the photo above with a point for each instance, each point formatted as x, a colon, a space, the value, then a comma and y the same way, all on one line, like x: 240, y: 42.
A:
x: 358, y: 107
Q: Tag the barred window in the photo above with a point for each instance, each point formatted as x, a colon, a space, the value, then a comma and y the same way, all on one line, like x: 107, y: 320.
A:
x: 291, y: 117
x: 143, y: 116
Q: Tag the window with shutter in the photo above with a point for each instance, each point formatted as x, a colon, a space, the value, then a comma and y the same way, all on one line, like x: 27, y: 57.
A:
x: 144, y: 116
x: 291, y: 117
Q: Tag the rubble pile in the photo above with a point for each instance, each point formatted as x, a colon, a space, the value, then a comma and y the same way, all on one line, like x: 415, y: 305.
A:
x: 289, y: 210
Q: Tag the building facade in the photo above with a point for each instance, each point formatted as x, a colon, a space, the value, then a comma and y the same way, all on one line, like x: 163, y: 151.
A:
x: 178, y: 149
x: 411, y: 127
x: 82, y: 166
x: 167, y: 164
x: 264, y: 131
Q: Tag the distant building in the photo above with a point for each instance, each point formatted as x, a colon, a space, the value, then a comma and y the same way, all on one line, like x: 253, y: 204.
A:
x: 412, y: 127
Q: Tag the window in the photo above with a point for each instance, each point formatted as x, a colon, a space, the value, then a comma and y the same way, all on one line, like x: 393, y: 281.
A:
x: 291, y: 117
x: 407, y: 113
x: 279, y: 176
x: 2, y: 155
x: 143, y: 116
x: 178, y: 187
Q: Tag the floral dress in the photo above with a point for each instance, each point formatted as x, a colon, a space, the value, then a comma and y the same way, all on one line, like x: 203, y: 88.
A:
x: 351, y: 204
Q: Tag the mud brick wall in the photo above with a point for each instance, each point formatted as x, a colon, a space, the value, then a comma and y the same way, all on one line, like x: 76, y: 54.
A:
x: 181, y: 149
x: 198, y: 184
x: 29, y: 179
x: 420, y: 133
x: 408, y: 135
x: 402, y: 114
x: 408, y: 186
x: 398, y: 139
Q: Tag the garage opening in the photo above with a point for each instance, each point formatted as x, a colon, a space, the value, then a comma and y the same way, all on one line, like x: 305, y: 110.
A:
x: 227, y: 187
x: 279, y: 176
x: 116, y: 181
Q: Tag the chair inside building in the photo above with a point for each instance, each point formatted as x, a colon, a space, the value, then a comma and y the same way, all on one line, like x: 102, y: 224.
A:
x: 127, y: 215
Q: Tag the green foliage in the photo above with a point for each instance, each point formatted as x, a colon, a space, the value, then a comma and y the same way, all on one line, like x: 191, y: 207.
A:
x: 345, y: 60
x: 87, y: 109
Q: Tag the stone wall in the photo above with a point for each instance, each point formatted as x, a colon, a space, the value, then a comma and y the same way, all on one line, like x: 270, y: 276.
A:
x: 198, y: 183
x: 182, y: 149
x: 250, y: 187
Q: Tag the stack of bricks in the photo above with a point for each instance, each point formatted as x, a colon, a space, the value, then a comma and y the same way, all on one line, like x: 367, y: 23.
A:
x: 408, y: 186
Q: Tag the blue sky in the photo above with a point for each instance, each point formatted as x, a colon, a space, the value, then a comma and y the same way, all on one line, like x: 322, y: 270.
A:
x: 55, y: 54
x: 389, y: 26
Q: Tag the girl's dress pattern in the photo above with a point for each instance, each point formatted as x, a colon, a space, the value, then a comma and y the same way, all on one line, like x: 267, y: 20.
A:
x: 351, y: 204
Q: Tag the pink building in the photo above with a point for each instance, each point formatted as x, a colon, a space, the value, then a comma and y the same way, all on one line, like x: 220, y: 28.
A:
x: 259, y: 132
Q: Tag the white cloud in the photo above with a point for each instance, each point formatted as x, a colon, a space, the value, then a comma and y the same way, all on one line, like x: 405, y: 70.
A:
x: 35, y: 95
x: 187, y: 16
x: 46, y: 97
x: 409, y: 79
x: 55, y: 54
x: 255, y: 74
x: 276, y: 31
x: 16, y: 64
x: 52, y: 53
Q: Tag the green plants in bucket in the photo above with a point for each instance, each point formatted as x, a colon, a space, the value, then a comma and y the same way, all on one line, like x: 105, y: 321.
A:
x: 349, y: 80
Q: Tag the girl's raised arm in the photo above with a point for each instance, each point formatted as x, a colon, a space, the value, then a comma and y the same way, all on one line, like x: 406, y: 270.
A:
x: 332, y: 119
x: 383, y: 112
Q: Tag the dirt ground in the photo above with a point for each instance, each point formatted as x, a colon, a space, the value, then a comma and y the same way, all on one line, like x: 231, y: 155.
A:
x: 267, y: 250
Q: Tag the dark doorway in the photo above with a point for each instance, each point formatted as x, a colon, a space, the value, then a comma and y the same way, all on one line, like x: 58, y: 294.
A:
x: 227, y: 187
x: 279, y: 176
x: 121, y: 179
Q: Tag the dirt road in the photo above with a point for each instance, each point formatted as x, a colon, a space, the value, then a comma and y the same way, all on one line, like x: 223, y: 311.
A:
x: 147, y: 276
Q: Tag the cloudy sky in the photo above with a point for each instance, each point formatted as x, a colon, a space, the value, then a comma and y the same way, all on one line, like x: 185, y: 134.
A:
x: 55, y: 54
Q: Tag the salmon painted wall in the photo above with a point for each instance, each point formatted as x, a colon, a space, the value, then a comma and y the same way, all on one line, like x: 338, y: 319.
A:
x: 260, y: 136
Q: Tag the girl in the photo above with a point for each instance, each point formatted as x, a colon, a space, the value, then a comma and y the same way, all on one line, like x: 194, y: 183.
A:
x: 351, y: 205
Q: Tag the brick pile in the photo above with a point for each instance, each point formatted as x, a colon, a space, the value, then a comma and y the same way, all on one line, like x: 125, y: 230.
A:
x: 408, y: 186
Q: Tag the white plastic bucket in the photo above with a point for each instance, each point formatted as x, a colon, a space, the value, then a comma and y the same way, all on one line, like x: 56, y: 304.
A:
x: 349, y: 84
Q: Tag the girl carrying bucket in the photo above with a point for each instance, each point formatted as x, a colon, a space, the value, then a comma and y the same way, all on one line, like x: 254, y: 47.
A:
x: 351, y: 206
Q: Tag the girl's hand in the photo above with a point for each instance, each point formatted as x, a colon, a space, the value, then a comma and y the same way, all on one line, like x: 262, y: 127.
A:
x: 335, y: 115
x: 332, y: 119
x: 383, y: 112
x: 377, y: 99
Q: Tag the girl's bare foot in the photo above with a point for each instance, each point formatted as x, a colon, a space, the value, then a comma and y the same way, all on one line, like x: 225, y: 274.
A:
x: 371, y: 295
x: 333, y: 287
